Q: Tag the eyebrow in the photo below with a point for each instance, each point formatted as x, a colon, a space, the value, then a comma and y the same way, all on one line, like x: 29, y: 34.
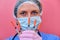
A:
x: 26, y: 11
x: 23, y: 11
x: 36, y: 10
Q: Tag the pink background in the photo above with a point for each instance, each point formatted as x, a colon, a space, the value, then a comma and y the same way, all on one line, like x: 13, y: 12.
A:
x: 51, y: 17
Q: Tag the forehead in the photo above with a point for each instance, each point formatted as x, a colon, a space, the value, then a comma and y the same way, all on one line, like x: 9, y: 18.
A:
x: 28, y: 7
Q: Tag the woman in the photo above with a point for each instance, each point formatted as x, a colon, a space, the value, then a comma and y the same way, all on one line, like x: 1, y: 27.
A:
x: 28, y: 15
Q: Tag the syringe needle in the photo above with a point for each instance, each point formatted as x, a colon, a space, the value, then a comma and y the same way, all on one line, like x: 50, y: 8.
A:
x: 15, y: 27
x: 34, y: 23
x: 28, y: 22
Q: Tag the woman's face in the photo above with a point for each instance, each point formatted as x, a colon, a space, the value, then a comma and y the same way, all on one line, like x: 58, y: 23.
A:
x: 28, y: 10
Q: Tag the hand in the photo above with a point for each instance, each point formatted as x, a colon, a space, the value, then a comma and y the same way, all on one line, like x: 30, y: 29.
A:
x: 29, y: 35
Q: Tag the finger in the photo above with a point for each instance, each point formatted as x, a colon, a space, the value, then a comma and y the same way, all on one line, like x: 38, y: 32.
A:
x: 26, y: 39
x: 28, y: 32
x: 26, y: 36
x: 38, y: 38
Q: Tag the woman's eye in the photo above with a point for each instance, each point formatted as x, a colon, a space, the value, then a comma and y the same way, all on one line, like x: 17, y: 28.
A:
x: 23, y: 13
x: 34, y: 12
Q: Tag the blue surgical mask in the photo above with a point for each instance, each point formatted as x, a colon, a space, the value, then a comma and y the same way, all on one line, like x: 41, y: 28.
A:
x: 24, y: 22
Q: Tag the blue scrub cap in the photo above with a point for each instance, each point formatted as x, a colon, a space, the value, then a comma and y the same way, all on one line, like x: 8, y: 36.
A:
x: 19, y: 2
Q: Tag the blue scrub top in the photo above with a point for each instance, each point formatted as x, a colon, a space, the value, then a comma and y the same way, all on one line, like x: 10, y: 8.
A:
x: 43, y: 35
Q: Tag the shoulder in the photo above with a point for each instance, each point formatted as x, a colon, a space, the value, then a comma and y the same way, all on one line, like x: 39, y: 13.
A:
x: 43, y: 35
x: 11, y: 37
x: 49, y: 36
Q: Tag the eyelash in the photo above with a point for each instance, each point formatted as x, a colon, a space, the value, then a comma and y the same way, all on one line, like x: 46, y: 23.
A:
x: 34, y: 12
x: 24, y: 13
